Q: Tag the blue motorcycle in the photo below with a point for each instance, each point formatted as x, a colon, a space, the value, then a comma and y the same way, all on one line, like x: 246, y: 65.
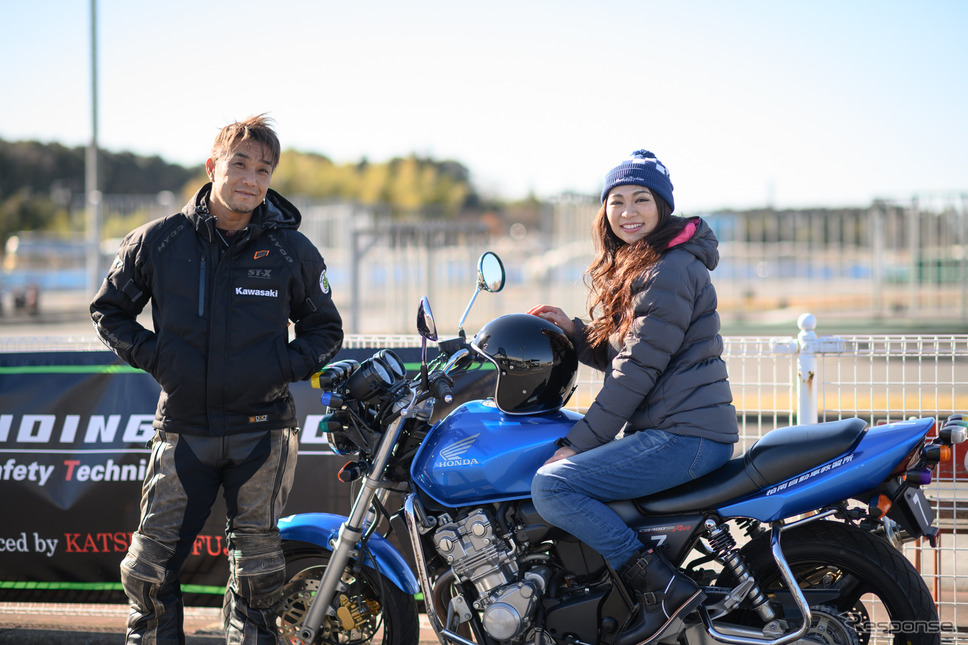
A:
x: 794, y: 541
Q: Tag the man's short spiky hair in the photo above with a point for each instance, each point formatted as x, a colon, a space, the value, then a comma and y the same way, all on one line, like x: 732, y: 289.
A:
x: 256, y: 128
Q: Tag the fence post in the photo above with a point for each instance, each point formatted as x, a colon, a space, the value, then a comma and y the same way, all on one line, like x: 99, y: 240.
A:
x: 807, y: 370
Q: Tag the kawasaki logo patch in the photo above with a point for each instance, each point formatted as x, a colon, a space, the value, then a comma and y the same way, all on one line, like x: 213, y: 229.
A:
x: 265, y: 293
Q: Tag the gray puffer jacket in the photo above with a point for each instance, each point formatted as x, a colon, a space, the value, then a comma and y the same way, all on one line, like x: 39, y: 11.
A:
x: 668, y: 373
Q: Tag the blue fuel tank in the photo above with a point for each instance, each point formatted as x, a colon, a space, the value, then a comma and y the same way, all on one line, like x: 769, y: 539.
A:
x: 478, y: 454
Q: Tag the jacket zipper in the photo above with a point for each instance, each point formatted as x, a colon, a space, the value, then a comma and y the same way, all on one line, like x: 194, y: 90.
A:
x: 201, y: 288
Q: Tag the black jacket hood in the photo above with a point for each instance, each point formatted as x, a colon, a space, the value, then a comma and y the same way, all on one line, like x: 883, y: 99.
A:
x: 275, y: 212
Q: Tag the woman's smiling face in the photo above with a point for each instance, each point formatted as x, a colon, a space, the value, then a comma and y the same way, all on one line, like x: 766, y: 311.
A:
x: 632, y: 212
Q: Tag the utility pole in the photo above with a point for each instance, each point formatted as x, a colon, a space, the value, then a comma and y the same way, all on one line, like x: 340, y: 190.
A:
x: 92, y: 193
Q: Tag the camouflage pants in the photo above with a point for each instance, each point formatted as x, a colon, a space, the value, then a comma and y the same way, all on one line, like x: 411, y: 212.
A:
x: 255, y: 473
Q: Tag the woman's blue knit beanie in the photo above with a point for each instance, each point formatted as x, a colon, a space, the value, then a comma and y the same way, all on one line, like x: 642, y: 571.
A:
x: 641, y: 169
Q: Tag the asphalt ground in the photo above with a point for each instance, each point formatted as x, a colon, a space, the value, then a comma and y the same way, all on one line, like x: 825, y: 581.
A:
x: 77, y: 624
x: 86, y: 624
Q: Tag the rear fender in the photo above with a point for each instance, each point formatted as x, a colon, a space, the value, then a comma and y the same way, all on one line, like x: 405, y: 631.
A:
x: 321, y: 528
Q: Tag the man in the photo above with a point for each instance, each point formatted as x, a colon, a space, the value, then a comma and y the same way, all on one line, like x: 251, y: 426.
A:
x: 224, y: 278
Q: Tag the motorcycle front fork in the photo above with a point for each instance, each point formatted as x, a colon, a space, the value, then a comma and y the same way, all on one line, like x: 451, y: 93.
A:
x: 350, y: 533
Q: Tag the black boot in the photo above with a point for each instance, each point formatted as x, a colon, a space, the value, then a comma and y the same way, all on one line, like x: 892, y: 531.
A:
x: 663, y: 594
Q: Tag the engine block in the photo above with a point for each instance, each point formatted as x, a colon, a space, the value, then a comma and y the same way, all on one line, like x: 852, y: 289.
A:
x: 476, y: 554
x: 506, y: 599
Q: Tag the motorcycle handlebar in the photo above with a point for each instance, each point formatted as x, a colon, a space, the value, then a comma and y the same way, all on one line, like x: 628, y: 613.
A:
x: 441, y: 386
x: 333, y: 374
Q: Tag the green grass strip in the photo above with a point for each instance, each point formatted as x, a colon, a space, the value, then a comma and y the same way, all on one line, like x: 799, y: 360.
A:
x: 24, y: 585
x: 483, y: 367
x: 70, y: 369
x: 95, y: 586
x: 127, y: 369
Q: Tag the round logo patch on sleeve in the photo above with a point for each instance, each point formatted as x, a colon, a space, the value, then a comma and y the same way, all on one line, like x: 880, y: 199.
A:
x: 323, y: 282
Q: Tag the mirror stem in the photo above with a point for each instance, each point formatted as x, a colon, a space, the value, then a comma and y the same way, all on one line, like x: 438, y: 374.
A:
x: 425, y: 379
x: 460, y: 325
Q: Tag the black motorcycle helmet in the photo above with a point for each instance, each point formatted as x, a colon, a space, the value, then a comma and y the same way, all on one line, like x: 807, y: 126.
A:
x: 536, y: 363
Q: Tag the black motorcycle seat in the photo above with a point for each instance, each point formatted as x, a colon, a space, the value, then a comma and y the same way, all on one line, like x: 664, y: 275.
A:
x: 775, y: 457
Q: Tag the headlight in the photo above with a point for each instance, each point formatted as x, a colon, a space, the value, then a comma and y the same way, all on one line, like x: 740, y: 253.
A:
x: 371, y: 379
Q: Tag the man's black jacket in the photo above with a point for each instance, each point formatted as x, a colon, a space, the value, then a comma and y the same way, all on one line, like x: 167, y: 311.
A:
x: 220, y: 345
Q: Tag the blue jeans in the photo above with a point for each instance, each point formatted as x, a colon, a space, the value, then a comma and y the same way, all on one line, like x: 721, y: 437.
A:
x: 570, y: 493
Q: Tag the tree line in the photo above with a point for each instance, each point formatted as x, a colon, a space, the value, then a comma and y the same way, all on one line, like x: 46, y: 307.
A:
x: 40, y: 181
x: 40, y: 184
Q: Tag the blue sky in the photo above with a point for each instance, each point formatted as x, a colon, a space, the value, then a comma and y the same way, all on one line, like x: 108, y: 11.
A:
x: 795, y: 104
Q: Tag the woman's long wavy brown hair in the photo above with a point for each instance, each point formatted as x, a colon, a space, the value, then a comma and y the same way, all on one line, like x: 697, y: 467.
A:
x: 618, y: 267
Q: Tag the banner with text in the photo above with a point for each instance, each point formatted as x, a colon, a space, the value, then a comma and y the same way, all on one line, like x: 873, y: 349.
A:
x: 74, y: 429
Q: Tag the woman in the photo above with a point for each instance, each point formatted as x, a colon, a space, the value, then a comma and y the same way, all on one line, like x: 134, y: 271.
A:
x: 654, y: 331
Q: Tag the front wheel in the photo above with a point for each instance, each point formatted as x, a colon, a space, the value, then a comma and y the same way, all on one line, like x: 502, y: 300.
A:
x: 370, y: 609
x: 867, y: 584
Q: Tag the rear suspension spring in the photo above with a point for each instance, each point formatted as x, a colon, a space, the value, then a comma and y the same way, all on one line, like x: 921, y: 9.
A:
x: 722, y: 542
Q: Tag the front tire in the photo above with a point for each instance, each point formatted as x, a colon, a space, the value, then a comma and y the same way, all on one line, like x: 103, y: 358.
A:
x: 877, y: 591
x: 370, y: 610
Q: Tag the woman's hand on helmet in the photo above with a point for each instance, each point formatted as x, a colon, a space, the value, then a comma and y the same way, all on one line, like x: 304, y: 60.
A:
x: 554, y: 315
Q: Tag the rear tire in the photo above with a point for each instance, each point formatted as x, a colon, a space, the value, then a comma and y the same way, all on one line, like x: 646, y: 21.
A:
x: 880, y: 593
x: 382, y: 613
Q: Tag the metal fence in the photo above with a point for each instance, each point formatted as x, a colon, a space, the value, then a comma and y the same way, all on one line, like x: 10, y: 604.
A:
x: 890, y: 378
x: 896, y: 261
x: 893, y: 261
